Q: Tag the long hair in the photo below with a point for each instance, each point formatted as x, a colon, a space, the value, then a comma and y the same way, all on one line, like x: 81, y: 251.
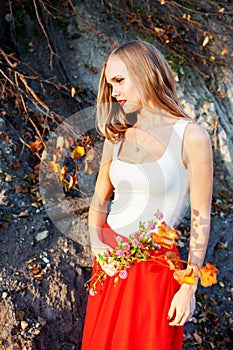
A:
x: 151, y: 73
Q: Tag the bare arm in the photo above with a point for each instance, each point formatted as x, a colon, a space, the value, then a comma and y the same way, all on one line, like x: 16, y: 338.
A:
x: 98, y: 207
x: 198, y: 159
x: 200, y: 169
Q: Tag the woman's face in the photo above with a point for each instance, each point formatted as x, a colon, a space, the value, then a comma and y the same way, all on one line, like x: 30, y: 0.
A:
x: 123, y: 89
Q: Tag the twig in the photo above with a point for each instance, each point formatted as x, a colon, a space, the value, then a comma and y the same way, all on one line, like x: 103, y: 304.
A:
x: 52, y: 53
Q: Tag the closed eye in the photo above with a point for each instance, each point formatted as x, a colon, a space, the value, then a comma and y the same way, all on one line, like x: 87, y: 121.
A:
x: 119, y: 80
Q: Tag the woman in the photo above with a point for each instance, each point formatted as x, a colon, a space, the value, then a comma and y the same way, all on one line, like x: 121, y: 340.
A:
x: 153, y: 165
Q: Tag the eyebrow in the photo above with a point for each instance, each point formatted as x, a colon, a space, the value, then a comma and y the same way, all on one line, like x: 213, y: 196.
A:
x: 115, y: 77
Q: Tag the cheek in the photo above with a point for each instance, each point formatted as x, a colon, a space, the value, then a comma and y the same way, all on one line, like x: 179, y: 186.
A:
x: 137, y: 96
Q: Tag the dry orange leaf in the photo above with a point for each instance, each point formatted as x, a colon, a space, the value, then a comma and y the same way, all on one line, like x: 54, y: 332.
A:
x: 73, y: 181
x: 162, y: 241
x: 53, y: 167
x: 35, y: 146
x: 35, y: 270
x: 4, y: 136
x: 165, y: 236
x: 224, y: 52
x: 78, y: 152
x: 208, y: 275
x: 64, y: 171
x: 165, y: 231
x: 185, y: 276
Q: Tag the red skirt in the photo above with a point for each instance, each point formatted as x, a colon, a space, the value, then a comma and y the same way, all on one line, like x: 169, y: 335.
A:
x: 133, y: 315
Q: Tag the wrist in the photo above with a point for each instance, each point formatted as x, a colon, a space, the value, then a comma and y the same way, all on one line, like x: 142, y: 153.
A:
x: 189, y: 288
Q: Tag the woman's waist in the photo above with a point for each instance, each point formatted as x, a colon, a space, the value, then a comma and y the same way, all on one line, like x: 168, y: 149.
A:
x: 111, y: 237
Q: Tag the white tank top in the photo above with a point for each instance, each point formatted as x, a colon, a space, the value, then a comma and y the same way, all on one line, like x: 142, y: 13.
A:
x: 142, y: 189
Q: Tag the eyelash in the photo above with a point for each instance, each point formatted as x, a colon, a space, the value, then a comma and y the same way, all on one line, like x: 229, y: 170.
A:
x: 118, y: 81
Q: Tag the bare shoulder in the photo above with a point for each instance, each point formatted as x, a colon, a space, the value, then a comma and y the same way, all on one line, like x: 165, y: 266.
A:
x: 197, y: 146
x: 196, y: 136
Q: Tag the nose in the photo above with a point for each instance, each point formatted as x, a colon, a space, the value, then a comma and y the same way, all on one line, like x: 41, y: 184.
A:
x: 115, y: 91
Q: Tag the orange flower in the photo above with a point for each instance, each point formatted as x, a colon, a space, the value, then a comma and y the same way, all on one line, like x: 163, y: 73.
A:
x: 208, y: 275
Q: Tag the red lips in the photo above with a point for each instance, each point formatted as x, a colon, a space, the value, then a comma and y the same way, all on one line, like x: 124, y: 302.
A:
x: 121, y: 102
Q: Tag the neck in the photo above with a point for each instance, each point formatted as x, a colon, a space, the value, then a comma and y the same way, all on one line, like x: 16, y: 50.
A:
x: 153, y: 118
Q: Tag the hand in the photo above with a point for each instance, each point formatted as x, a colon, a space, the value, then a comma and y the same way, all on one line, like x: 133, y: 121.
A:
x: 182, y: 305
x: 110, y: 268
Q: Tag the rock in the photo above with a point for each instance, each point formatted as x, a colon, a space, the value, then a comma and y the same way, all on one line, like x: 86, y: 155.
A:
x: 4, y: 295
x: 24, y: 325
x: 42, y: 235
x: 41, y: 321
x: 2, y: 123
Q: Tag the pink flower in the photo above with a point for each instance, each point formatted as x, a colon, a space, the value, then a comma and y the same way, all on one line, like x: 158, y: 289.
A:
x: 120, y: 253
x: 136, y: 234
x: 150, y: 226
x: 126, y: 245
x: 135, y: 243
x: 123, y: 274
x: 159, y: 215
x: 92, y: 292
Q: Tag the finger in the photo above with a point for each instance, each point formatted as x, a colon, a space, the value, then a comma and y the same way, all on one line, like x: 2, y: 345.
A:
x: 171, y: 312
x: 179, y: 320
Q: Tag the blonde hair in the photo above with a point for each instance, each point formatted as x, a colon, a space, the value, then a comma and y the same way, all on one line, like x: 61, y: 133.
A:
x: 151, y: 73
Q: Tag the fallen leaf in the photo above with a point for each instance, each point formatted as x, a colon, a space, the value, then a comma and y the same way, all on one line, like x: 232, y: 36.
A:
x: 36, y: 146
x: 53, y: 167
x: 24, y: 325
x: 4, y: 136
x: 78, y: 152
x: 64, y: 171
x: 224, y: 52
x: 8, y: 178
x: 35, y: 270
x: 19, y: 315
x: 205, y: 41
x: 23, y: 214
x: 197, y: 338
x: 7, y: 216
x: 73, y: 91
x: 31, y: 261
x: 73, y: 181
x: 38, y: 277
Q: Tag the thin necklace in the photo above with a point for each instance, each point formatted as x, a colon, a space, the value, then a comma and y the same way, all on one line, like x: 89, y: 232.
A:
x: 137, y: 148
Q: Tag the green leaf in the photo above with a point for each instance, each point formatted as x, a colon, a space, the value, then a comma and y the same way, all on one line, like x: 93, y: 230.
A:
x: 7, y: 216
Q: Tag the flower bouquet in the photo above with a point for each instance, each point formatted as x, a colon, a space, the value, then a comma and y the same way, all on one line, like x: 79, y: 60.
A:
x: 146, y: 245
